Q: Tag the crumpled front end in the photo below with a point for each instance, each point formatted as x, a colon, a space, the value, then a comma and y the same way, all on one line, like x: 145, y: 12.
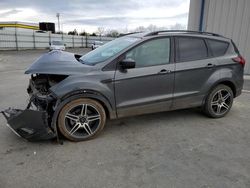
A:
x: 35, y: 122
x: 38, y: 120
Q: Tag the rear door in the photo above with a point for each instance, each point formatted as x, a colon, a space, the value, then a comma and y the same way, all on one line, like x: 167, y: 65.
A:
x: 148, y: 87
x: 194, y: 66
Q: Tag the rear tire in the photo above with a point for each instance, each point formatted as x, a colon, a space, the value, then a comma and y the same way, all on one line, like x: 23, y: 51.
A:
x: 219, y: 101
x: 81, y: 119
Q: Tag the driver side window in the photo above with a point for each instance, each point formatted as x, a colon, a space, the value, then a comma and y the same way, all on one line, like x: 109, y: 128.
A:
x: 150, y: 53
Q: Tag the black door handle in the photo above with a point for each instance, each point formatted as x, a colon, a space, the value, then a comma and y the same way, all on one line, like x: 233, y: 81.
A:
x: 164, y: 71
x: 210, y: 65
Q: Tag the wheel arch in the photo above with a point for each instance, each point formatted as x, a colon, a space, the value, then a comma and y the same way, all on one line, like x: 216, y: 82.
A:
x: 95, y: 95
x: 229, y: 84
x: 226, y: 82
x: 110, y: 112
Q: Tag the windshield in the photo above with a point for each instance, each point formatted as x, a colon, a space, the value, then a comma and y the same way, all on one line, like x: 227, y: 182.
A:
x: 107, y: 50
x: 60, y: 43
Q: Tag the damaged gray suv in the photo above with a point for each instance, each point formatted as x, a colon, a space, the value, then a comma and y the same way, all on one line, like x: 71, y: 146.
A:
x: 74, y: 95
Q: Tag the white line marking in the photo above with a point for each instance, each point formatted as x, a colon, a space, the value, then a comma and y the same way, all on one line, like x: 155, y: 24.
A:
x: 245, y: 91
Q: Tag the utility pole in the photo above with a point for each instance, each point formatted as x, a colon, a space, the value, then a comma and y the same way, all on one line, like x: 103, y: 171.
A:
x: 58, y: 19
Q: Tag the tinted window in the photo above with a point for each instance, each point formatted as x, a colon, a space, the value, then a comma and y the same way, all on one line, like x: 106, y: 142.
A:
x: 191, y: 48
x: 153, y: 52
x: 218, y: 48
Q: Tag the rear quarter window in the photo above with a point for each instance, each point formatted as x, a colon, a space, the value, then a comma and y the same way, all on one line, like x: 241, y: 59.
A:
x: 218, y: 48
x: 191, y: 49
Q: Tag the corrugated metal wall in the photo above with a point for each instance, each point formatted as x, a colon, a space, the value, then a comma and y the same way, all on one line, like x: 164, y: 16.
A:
x: 18, y: 40
x: 230, y: 18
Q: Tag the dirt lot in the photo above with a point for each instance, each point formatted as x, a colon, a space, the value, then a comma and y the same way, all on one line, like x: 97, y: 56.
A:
x: 171, y: 149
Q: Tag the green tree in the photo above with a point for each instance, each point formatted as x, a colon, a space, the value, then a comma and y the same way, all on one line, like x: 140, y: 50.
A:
x: 113, y: 33
x: 83, y: 33
x: 73, y: 32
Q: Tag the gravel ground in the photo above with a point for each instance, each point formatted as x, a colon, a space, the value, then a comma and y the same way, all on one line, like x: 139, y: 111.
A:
x: 171, y: 149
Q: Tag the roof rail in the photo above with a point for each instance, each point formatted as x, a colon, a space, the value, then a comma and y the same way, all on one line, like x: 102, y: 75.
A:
x: 182, y: 31
x: 125, y: 34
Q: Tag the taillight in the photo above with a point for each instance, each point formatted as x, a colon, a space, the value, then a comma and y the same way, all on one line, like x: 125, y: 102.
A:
x: 240, y: 60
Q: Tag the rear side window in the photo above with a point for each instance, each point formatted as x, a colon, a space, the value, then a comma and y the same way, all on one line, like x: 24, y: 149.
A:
x: 191, y: 48
x: 218, y: 48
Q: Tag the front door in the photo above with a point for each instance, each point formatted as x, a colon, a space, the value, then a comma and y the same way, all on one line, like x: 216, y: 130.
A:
x: 148, y: 87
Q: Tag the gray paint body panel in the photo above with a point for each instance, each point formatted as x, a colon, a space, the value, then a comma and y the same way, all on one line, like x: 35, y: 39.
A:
x: 144, y: 88
x: 58, y: 62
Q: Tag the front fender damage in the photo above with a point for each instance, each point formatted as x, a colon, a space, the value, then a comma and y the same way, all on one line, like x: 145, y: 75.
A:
x: 29, y: 124
x: 35, y: 122
x: 39, y: 120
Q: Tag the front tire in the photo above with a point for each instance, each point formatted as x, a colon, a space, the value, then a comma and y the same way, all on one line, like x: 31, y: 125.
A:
x: 81, y: 119
x: 219, y: 101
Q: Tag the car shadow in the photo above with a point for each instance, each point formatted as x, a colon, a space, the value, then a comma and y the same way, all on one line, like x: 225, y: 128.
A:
x: 129, y: 124
x: 166, y: 118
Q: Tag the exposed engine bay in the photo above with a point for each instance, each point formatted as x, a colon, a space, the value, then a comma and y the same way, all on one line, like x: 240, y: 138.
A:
x: 40, y: 83
x: 38, y: 89
x: 40, y: 109
x: 38, y: 120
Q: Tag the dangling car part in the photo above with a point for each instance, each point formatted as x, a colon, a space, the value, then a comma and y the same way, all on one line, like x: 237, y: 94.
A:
x: 35, y: 122
x: 48, y: 101
x: 29, y: 124
x: 32, y: 123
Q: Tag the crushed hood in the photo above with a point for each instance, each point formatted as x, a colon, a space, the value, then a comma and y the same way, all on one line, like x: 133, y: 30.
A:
x: 58, y: 62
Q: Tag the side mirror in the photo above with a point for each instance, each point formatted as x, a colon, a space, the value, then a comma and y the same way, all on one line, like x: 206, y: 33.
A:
x: 127, y: 64
x: 65, y: 45
x: 49, y: 43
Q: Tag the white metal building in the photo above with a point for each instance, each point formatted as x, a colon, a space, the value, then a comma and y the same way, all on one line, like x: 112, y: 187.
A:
x: 230, y: 18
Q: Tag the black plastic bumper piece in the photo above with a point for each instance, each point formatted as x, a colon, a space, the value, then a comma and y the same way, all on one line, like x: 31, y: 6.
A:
x: 29, y: 124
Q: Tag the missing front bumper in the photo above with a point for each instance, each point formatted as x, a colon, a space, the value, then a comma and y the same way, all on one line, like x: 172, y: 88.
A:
x: 29, y: 124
